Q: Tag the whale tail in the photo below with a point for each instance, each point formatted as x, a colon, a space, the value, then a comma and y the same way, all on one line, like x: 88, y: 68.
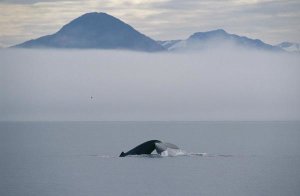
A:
x: 122, y: 154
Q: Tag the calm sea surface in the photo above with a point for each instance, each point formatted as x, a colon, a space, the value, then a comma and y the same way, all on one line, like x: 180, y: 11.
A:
x: 81, y: 158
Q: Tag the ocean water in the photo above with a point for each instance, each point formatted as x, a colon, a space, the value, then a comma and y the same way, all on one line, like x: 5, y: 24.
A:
x: 81, y: 158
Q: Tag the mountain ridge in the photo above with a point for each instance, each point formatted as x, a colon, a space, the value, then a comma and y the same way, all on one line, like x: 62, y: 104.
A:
x: 102, y: 31
x: 217, y: 38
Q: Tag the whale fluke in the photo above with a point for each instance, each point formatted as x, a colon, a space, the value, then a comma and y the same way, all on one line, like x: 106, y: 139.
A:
x: 144, y: 148
x: 161, y: 147
x: 149, y: 146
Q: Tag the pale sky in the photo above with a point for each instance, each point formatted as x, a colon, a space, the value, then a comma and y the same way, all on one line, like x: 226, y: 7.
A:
x: 272, y: 21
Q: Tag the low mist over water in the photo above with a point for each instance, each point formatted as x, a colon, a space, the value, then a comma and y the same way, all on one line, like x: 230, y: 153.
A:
x: 219, y: 84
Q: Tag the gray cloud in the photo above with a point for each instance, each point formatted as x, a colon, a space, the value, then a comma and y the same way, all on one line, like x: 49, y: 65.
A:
x: 263, y: 20
x: 272, y: 21
x: 28, y: 1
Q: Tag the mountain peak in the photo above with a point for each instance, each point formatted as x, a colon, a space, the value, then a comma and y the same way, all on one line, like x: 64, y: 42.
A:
x: 93, y: 22
x: 96, y: 30
x: 209, y: 34
x: 217, y: 31
x: 95, y: 15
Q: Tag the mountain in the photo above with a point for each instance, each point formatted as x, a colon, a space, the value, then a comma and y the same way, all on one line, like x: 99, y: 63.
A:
x: 289, y: 46
x: 218, y: 38
x: 95, y: 30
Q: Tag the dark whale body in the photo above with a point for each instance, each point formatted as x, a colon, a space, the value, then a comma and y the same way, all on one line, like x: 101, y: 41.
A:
x: 144, y: 148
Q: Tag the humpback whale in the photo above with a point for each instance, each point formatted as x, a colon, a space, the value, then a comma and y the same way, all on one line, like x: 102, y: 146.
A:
x: 164, y: 149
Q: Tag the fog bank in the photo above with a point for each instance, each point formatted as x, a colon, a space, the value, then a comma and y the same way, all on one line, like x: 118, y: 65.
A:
x: 90, y: 85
